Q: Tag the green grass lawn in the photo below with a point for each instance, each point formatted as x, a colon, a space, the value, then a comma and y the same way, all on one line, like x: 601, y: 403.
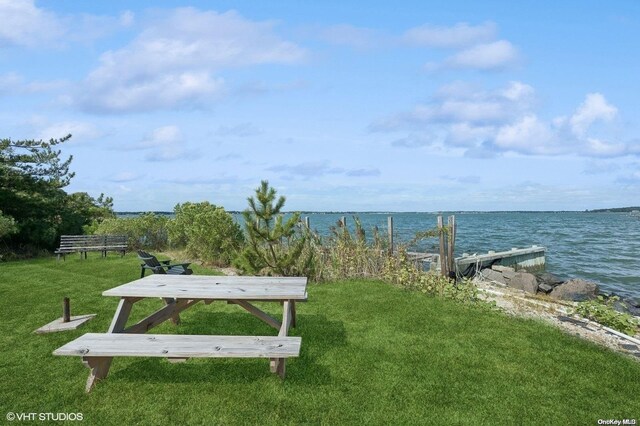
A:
x: 371, y: 353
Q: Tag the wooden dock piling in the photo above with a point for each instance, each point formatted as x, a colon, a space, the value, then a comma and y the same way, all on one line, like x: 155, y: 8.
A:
x: 390, y: 231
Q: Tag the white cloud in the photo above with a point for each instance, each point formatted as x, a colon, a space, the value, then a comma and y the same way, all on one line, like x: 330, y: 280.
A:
x: 159, y: 91
x: 518, y: 91
x: 164, y: 143
x: 13, y: 83
x: 24, y: 24
x: 468, y: 135
x: 459, y: 35
x: 488, y: 56
x: 463, y: 103
x: 80, y: 131
x: 316, y: 169
x: 600, y: 148
x: 485, y: 123
x: 594, y: 108
x: 173, y: 61
x: 528, y: 135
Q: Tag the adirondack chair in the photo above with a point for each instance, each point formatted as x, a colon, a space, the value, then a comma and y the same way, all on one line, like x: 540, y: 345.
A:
x: 161, y: 267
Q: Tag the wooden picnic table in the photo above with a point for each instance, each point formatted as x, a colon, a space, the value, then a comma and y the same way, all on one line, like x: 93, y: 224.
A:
x: 180, y: 292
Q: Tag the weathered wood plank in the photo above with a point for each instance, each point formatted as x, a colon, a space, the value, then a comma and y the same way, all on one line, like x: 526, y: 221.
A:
x: 258, y: 313
x: 99, y: 345
x: 99, y: 369
x: 161, y: 315
x: 213, y: 287
x: 286, y: 319
x: 122, y: 315
x: 59, y: 325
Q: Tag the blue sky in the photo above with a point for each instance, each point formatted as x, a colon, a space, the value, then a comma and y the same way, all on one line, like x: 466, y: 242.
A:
x: 341, y: 105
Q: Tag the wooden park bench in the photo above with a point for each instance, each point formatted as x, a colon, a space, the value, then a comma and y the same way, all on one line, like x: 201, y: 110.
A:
x: 86, y: 243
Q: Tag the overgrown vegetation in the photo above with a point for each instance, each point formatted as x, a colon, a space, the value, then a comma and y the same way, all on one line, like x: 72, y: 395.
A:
x: 148, y: 230
x: 403, y: 272
x: 207, y: 232
x: 346, y: 255
x: 602, y: 311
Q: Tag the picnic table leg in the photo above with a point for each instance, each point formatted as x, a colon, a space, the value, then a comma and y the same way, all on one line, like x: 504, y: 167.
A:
x: 293, y: 313
x: 99, y: 369
x: 121, y: 316
x: 176, y: 317
x: 278, y: 365
x: 100, y: 365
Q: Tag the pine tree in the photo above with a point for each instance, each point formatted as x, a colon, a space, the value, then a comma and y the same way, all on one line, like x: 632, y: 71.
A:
x: 274, y: 246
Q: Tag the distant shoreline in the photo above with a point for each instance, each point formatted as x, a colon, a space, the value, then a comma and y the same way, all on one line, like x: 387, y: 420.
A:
x: 608, y: 210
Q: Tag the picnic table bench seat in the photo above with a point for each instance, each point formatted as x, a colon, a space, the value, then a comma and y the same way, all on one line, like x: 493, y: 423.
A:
x: 98, y: 349
x: 181, y: 346
x: 86, y: 243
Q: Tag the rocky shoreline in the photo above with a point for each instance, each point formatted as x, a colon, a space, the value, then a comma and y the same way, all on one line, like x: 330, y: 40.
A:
x: 551, y: 299
x: 556, y: 288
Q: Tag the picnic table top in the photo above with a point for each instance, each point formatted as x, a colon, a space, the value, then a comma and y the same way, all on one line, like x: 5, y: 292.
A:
x: 214, y: 287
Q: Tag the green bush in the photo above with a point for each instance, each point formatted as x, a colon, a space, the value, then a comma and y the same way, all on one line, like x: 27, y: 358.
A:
x: 145, y: 231
x: 206, y: 231
x: 602, y: 312
x: 400, y: 271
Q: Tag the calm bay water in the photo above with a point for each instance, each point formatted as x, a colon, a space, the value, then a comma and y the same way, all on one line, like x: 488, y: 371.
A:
x: 602, y: 247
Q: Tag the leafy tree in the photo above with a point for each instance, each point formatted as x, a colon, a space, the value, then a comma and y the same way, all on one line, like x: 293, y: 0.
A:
x: 274, y: 246
x: 83, y: 212
x: 207, y: 232
x: 7, y: 225
x: 32, y: 175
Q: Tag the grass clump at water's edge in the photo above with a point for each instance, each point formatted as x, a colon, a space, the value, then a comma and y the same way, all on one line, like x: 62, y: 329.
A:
x: 371, y: 353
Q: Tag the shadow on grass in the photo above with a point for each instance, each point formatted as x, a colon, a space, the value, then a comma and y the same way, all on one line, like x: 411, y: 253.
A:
x: 319, y: 334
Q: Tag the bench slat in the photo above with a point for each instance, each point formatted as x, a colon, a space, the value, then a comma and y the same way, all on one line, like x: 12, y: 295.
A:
x: 181, y: 346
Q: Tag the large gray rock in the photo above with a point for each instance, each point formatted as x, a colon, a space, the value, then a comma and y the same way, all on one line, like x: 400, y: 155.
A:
x: 576, y: 290
x: 524, y: 281
x: 545, y: 288
x: 508, y: 274
x: 491, y: 275
x: 549, y: 279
